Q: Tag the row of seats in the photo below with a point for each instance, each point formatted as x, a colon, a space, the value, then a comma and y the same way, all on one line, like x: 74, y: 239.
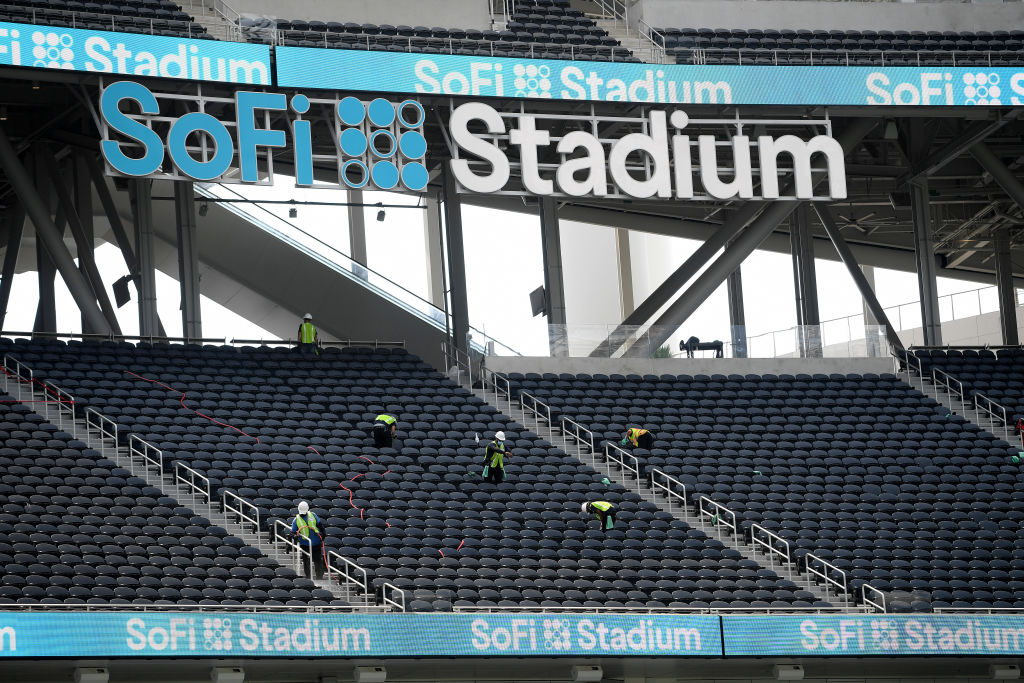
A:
x: 995, y: 374
x: 157, y: 17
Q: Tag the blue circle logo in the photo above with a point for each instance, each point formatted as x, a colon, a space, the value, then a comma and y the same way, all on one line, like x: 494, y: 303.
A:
x: 353, y: 142
x: 413, y: 107
x: 383, y: 144
x: 351, y: 111
x: 415, y: 176
x: 412, y: 144
x: 354, y: 165
x: 382, y: 112
x: 384, y: 175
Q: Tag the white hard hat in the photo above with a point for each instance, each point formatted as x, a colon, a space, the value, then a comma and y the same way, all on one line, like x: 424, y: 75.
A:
x: 583, y: 507
x: 308, y: 316
x: 303, y: 507
x: 500, y: 436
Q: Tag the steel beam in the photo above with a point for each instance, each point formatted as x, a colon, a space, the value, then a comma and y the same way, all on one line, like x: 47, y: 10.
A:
x: 973, y: 135
x: 456, y: 262
x: 866, y: 291
x: 188, y: 260
x: 554, y: 285
x: 15, y: 230
x: 357, y: 232
x: 737, y: 317
x: 805, y: 285
x: 924, y: 254
x: 141, y: 191
x: 435, y: 263
x: 999, y: 172
x: 1004, y: 284
x: 110, y: 209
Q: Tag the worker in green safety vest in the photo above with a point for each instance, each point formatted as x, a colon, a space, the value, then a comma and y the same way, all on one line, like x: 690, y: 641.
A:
x: 309, y: 340
x: 604, y: 511
x: 384, y: 430
x: 494, y: 459
x: 637, y: 438
x: 310, y: 530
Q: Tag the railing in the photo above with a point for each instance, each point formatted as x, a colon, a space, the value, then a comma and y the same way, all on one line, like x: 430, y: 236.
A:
x: 615, y: 11
x: 827, y: 577
x: 65, y: 407
x: 150, y: 455
x: 867, y: 590
x: 580, y: 435
x: 22, y: 374
x: 951, y: 385
x: 392, y: 595
x: 995, y: 411
x: 302, y: 553
x: 104, y: 426
x: 194, y: 482
x: 671, y: 489
x: 773, y: 545
x: 490, y: 380
x: 458, y: 360
x: 233, y: 504
x: 625, y: 460
x: 149, y: 338
x: 112, y: 22
x: 719, y: 516
x: 342, y: 343
x: 655, y: 42
x: 540, y: 410
x: 351, y: 573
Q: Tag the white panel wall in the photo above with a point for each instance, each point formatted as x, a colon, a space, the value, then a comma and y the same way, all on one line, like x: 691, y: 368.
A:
x: 590, y: 274
x: 446, y: 13
x: 779, y: 14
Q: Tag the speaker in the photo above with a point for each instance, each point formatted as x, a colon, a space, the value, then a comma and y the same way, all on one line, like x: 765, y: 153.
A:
x: 789, y: 672
x: 587, y: 674
x: 227, y: 674
x: 370, y: 674
x: 91, y: 675
x: 538, y: 302
x: 1004, y: 672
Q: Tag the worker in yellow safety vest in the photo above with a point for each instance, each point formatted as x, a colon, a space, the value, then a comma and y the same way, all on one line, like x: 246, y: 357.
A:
x: 309, y: 340
x: 310, y: 530
x: 604, y: 511
x: 384, y: 429
x: 637, y: 438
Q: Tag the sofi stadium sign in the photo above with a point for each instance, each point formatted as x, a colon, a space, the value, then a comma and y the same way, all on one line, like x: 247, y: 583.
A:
x: 382, y: 143
x: 236, y: 635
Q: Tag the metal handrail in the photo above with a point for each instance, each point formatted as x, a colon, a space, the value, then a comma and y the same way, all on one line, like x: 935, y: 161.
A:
x: 655, y: 40
x: 106, y: 427
x: 950, y: 384
x: 234, y: 504
x: 351, y: 572
x: 624, y: 459
x: 670, y: 610
x: 770, y: 549
x: 117, y: 22
x: 65, y: 406
x: 190, y: 482
x: 495, y: 381
x: 294, y: 544
x: 375, y: 343
x: 991, y: 408
x: 720, y: 516
x: 670, y: 492
x: 152, y: 338
x: 576, y: 431
x: 840, y: 585
x: 864, y: 589
x: 538, y: 408
x: 393, y: 595
x: 454, y: 356
x: 145, y: 451
x: 14, y: 367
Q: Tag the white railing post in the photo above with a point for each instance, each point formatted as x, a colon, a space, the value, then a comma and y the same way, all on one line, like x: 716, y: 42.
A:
x: 829, y: 578
x: 530, y: 404
x: 624, y: 459
x: 234, y: 504
x: 350, y: 572
x: 393, y: 595
x: 720, y: 516
x: 106, y: 428
x: 301, y: 552
x: 147, y: 452
x: 194, y: 482
x: 774, y: 545
x: 576, y: 431
x: 875, y: 595
x: 670, y: 492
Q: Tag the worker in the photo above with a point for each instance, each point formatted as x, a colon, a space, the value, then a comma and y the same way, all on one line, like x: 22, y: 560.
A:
x: 384, y: 430
x: 604, y: 511
x: 637, y: 438
x: 310, y: 530
x: 494, y: 459
x: 309, y: 340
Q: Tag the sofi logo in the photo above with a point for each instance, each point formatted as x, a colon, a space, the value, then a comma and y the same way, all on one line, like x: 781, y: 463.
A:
x: 903, y: 636
x: 376, y: 142
x: 231, y: 634
x: 567, y: 636
x: 946, y: 88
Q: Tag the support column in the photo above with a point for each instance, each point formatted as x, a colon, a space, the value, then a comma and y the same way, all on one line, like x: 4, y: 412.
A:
x: 82, y: 193
x: 46, y: 232
x: 805, y: 286
x: 869, y: 277
x: 924, y: 253
x: 110, y: 209
x: 46, y: 270
x: 435, y: 263
x: 456, y: 262
x: 554, y: 287
x: 357, y: 232
x: 142, y: 211
x: 737, y: 318
x: 15, y: 230
x: 188, y: 260
x: 1005, y: 287
x: 625, y: 268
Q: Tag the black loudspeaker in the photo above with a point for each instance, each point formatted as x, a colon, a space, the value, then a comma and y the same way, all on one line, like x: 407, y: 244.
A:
x: 538, y: 302
x: 122, y: 294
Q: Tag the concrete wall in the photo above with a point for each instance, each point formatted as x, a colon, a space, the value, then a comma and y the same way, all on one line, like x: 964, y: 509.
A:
x: 976, y: 330
x: 447, y: 13
x: 809, y: 14
x: 690, y: 366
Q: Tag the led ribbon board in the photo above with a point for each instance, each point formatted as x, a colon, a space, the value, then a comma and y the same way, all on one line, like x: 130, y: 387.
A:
x: 52, y: 47
x: 401, y: 72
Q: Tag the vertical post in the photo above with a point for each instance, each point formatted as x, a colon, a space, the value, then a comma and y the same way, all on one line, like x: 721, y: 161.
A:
x: 142, y: 212
x: 869, y: 277
x: 15, y: 229
x: 924, y: 254
x: 82, y: 193
x: 188, y: 260
x: 805, y: 286
x: 456, y: 262
x: 737, y: 318
x: 46, y: 270
x: 554, y: 288
x: 1005, y: 287
x: 432, y: 238
x: 357, y: 232
x: 625, y: 265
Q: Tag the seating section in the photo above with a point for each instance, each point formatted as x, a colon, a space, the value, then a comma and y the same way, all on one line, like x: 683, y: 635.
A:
x: 157, y: 17
x: 77, y: 529
x: 863, y: 471
x: 997, y: 375
x: 417, y: 515
x: 542, y: 30
x: 842, y: 48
